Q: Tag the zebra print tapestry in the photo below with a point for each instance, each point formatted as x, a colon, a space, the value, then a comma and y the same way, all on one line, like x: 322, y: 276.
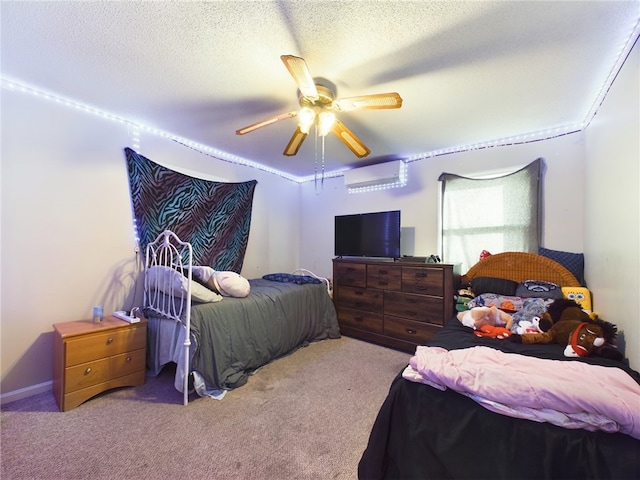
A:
x: 213, y: 216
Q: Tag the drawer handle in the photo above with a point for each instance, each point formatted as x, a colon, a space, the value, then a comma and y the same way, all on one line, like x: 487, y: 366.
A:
x: 128, y: 359
x: 358, y: 292
x: 421, y: 275
x: 109, y: 340
x: 411, y: 331
x: 358, y: 319
x: 87, y: 371
x: 360, y: 304
x: 411, y: 312
x: 383, y: 283
x: 383, y: 272
x: 411, y: 300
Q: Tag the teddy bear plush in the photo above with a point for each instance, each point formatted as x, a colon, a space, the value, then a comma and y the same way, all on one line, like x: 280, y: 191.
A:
x: 476, y: 317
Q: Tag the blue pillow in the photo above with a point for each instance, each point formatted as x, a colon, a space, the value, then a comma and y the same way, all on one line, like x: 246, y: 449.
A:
x: 538, y: 289
x: 574, y: 262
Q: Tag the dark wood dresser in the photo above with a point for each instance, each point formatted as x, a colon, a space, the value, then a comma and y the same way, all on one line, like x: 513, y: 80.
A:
x: 396, y: 304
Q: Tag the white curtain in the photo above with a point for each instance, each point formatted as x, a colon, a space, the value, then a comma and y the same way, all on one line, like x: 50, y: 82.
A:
x: 500, y: 214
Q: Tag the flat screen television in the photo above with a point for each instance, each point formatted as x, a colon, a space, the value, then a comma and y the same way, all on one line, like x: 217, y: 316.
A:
x: 368, y: 235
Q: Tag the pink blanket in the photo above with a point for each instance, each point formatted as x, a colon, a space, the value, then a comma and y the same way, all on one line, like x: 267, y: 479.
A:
x: 571, y: 394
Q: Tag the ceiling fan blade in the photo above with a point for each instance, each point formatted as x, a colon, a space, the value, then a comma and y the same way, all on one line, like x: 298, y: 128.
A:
x: 377, y: 101
x: 264, y: 123
x: 294, y: 144
x: 298, y: 69
x: 350, y: 140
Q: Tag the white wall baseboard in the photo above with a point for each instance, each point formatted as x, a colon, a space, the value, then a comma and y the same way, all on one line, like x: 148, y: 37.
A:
x: 25, y: 392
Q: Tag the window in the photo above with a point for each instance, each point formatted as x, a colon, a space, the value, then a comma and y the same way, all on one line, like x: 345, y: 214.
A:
x: 497, y: 214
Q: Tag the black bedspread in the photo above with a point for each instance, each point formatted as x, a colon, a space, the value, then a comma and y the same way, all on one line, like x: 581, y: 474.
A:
x: 425, y: 433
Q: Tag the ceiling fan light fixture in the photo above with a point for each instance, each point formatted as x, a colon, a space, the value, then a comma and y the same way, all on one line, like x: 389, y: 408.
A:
x: 306, y: 117
x: 326, y: 120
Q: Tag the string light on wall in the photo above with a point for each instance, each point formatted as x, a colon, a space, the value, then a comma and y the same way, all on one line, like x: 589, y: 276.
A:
x: 135, y: 126
x: 134, y: 137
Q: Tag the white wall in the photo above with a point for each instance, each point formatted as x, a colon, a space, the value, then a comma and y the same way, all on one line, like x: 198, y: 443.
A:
x: 418, y: 201
x: 67, y: 237
x: 612, y: 206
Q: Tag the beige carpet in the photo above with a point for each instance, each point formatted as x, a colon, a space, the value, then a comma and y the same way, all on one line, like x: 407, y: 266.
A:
x: 305, y: 416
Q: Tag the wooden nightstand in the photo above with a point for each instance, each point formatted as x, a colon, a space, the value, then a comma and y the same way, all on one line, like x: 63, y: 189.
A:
x: 90, y: 358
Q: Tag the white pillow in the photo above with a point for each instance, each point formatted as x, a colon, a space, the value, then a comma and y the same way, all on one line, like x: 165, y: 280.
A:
x: 231, y: 284
x: 172, y: 282
x: 204, y: 275
x: 228, y: 284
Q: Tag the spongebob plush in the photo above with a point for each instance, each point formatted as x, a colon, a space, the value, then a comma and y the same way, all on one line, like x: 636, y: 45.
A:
x: 580, y: 295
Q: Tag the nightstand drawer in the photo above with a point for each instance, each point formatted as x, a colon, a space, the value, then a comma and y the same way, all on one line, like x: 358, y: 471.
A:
x: 411, y: 306
x: 88, y: 348
x: 127, y: 363
x: 408, y: 330
x: 359, y: 319
x: 99, y: 371
x: 426, y: 281
x: 361, y: 299
x: 86, y: 374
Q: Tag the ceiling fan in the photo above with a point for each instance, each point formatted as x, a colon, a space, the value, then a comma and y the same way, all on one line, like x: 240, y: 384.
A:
x: 318, y: 106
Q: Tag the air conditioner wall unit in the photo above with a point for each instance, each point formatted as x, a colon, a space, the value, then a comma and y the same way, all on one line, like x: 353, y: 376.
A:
x: 380, y: 174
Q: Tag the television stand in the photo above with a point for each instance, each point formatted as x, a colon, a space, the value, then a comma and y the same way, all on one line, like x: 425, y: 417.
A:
x: 398, y: 305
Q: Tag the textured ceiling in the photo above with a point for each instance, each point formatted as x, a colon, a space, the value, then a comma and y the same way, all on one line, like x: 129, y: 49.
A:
x: 468, y: 72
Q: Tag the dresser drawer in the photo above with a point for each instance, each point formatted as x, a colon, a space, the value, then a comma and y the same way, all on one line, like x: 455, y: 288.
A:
x: 99, y: 371
x: 411, y: 306
x: 384, y: 277
x: 361, y: 299
x: 427, y: 281
x: 354, y: 275
x: 408, y: 330
x: 87, y: 348
x: 369, y: 321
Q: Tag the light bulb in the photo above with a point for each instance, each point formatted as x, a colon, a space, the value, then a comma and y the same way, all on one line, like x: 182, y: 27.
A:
x: 306, y: 118
x: 325, y: 122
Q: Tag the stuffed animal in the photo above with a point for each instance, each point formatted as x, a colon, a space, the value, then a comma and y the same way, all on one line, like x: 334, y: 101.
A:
x: 527, y: 319
x: 527, y: 326
x: 555, y: 312
x: 579, y: 331
x: 479, y: 316
x: 462, y: 298
x: 580, y: 338
x: 492, y: 332
x: 580, y: 295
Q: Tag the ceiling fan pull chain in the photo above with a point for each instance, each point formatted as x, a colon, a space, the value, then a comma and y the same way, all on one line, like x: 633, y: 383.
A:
x: 315, y: 162
x: 322, y: 168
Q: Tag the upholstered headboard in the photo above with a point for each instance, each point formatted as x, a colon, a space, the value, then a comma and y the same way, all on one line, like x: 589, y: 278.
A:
x: 521, y: 266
